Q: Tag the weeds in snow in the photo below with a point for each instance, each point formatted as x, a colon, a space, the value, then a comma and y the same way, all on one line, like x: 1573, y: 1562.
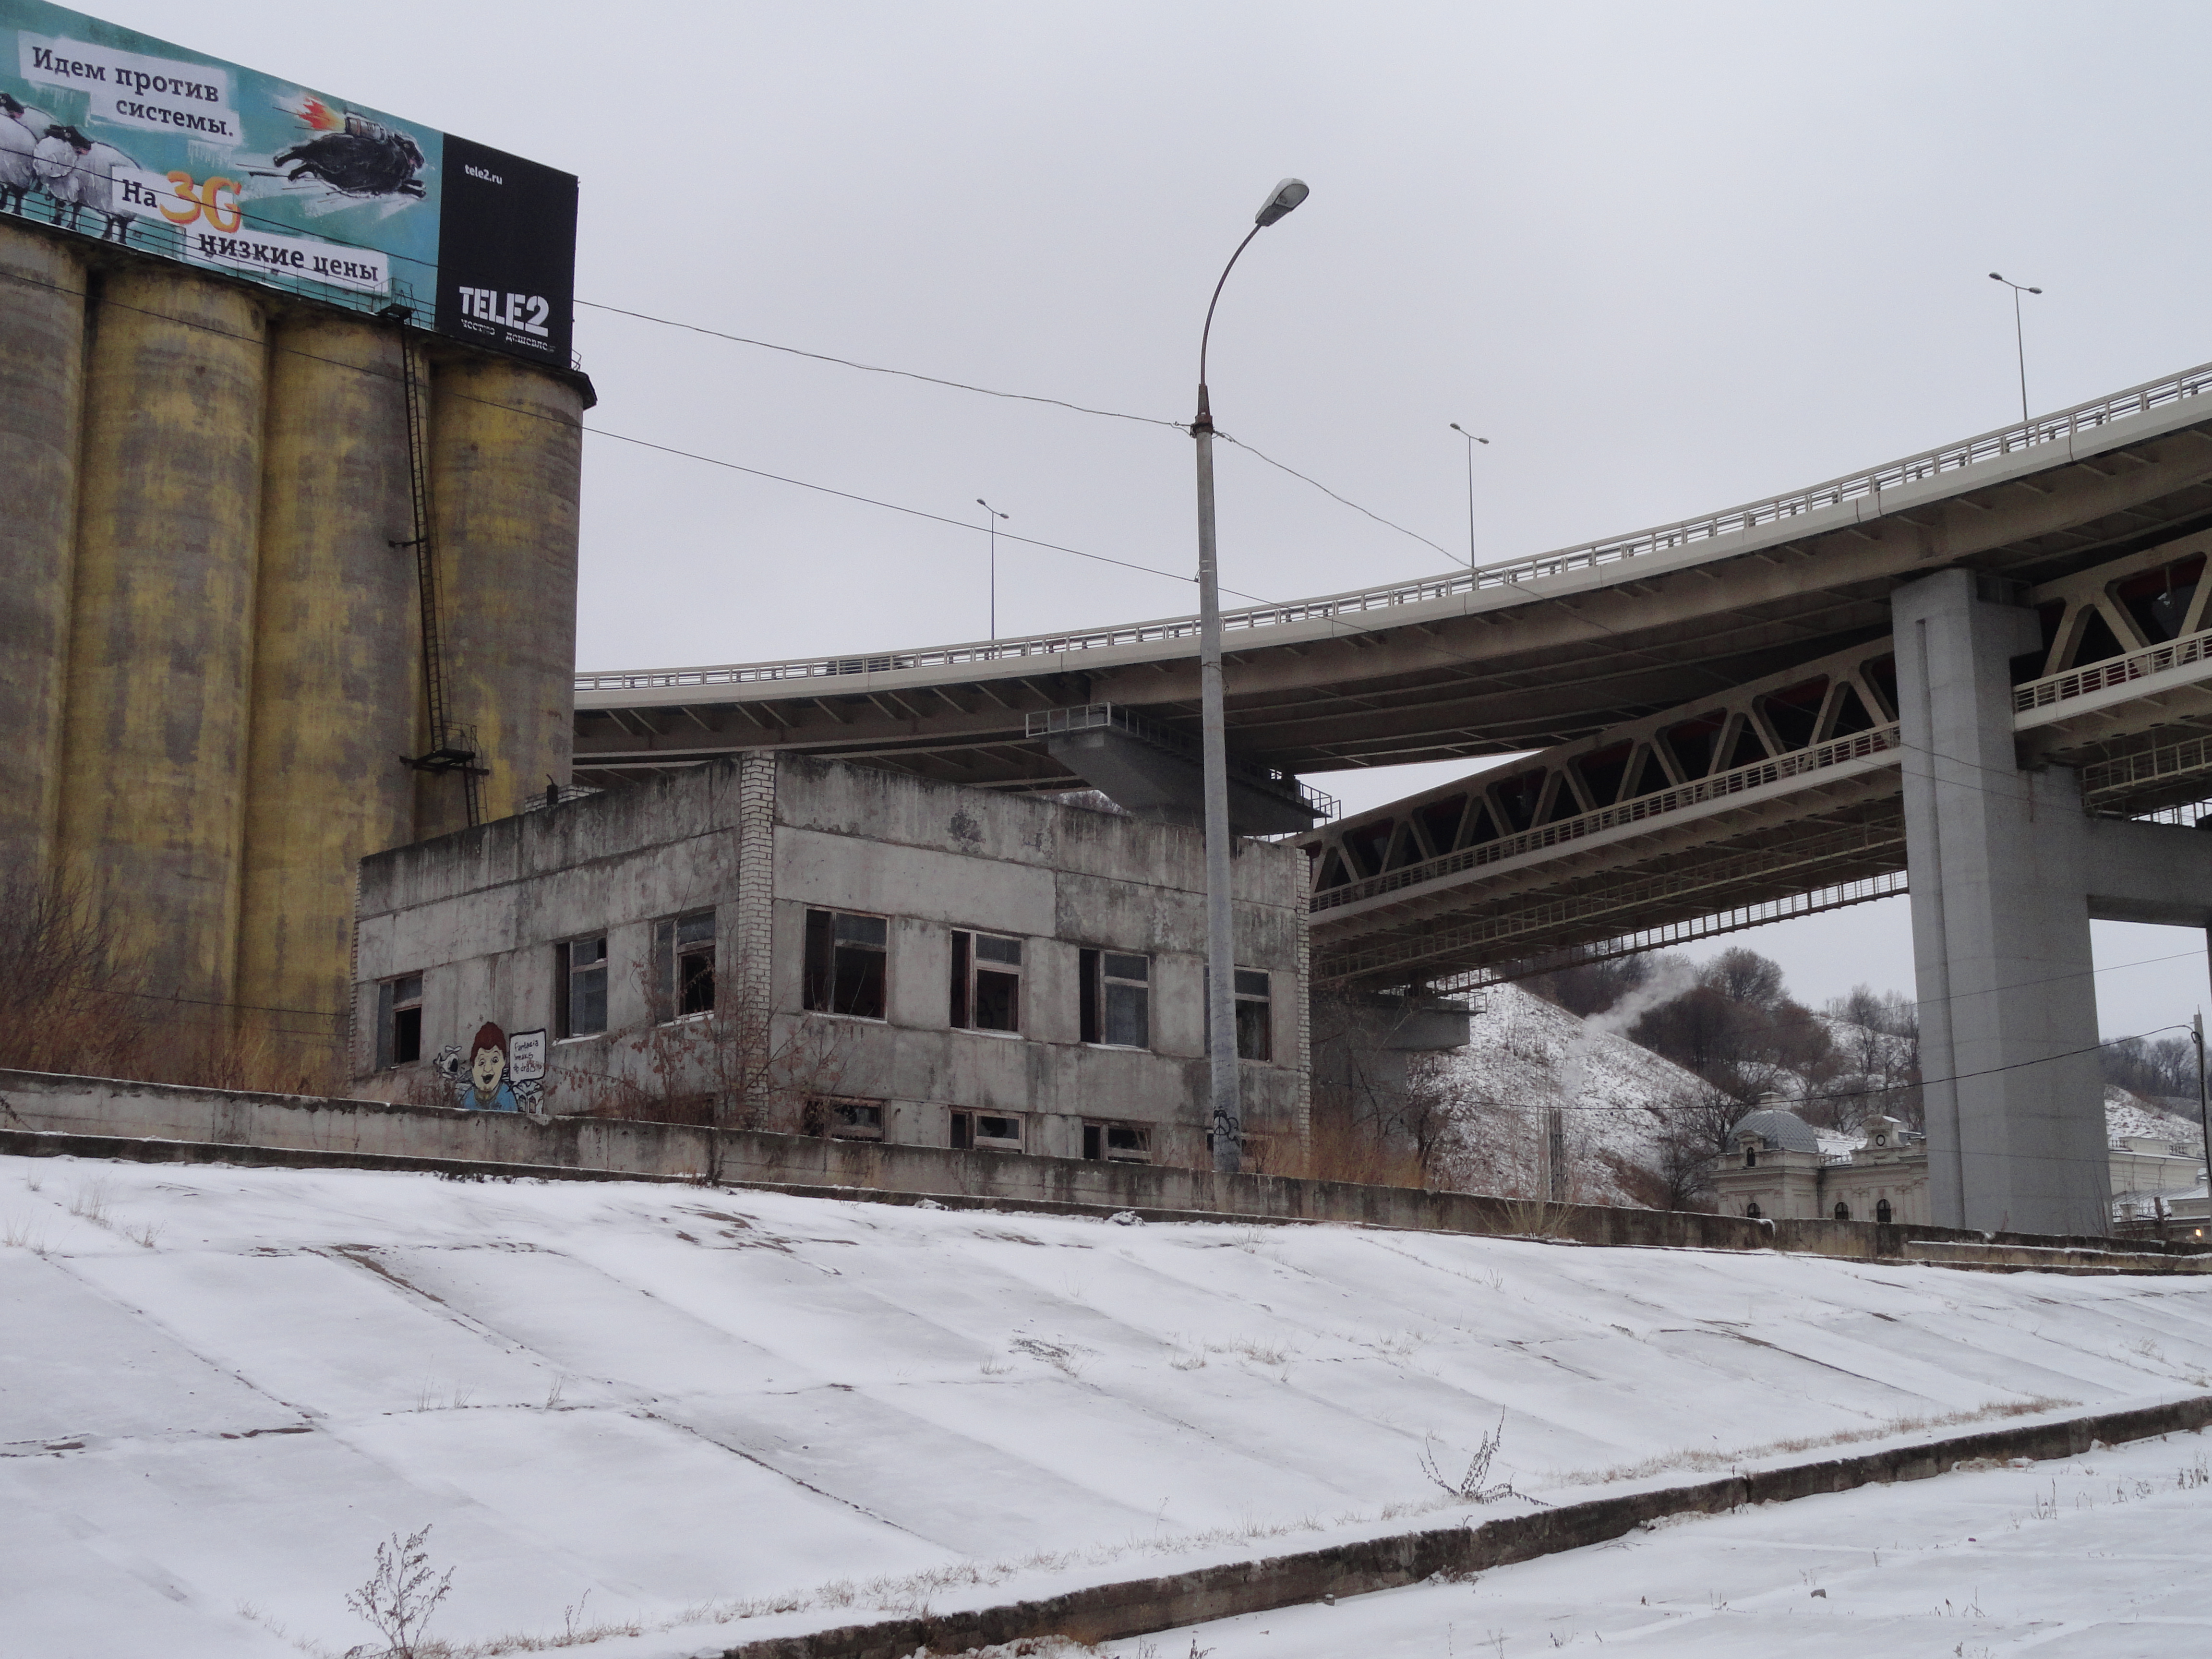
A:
x: 90, y: 1202
x: 19, y: 1234
x: 398, y: 1598
x: 1471, y: 1488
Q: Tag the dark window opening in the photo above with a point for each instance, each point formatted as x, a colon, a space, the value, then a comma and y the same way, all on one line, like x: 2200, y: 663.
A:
x: 1794, y: 712
x: 1843, y: 1212
x: 963, y: 1135
x: 1115, y: 999
x: 684, y: 965
x: 1693, y: 742
x: 845, y: 1120
x: 1604, y: 770
x: 1117, y: 1143
x: 1751, y: 1212
x: 581, y: 973
x: 987, y: 982
x: 997, y: 1133
x: 1751, y: 1157
x: 1255, y: 1022
x: 1882, y: 1211
x: 847, y: 960
x: 400, y: 1022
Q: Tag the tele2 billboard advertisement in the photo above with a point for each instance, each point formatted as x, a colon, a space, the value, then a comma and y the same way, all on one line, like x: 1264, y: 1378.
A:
x: 119, y: 136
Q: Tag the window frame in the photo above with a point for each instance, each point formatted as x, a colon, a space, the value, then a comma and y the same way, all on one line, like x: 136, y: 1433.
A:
x: 565, y: 986
x: 841, y: 1117
x: 820, y: 972
x: 969, y: 967
x: 390, y: 1008
x: 1095, y: 1010
x: 1241, y: 1000
x: 1098, y: 1146
x: 976, y: 1140
x: 677, y: 978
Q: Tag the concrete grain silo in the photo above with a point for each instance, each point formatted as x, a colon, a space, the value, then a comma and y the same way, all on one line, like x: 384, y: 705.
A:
x: 161, y: 653
x: 336, y: 666
x: 41, y: 404
x: 213, y: 655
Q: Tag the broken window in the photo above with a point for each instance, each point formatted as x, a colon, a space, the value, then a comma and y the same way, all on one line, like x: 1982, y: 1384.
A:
x: 987, y: 1132
x: 844, y: 1120
x: 987, y: 982
x: 684, y: 965
x: 581, y: 994
x: 1255, y: 1018
x: 400, y: 1022
x: 1117, y: 998
x: 1117, y: 1143
x: 847, y: 956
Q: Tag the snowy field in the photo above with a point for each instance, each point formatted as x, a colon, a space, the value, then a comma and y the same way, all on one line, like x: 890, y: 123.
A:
x: 2103, y: 1557
x: 730, y: 1415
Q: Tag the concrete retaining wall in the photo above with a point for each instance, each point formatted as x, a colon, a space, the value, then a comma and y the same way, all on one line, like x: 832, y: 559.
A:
x: 84, y: 1116
x: 1108, y: 1612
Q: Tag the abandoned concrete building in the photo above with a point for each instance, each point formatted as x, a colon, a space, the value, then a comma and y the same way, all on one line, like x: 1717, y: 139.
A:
x: 798, y: 944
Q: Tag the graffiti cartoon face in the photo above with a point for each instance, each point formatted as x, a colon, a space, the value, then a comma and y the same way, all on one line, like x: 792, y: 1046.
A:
x: 486, y: 1070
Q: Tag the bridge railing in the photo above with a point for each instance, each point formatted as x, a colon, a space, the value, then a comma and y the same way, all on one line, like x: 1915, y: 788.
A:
x: 1798, y: 763
x: 2053, y: 688
x: 1099, y: 716
x: 1662, y: 538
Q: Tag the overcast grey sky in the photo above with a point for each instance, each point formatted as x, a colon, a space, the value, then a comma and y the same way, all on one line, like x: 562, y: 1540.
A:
x: 1667, y: 257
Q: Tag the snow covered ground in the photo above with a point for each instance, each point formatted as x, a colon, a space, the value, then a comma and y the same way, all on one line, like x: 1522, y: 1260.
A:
x: 731, y: 1415
x: 2103, y: 1557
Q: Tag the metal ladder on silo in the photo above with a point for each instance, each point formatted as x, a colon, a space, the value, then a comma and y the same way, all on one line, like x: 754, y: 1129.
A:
x: 452, y: 746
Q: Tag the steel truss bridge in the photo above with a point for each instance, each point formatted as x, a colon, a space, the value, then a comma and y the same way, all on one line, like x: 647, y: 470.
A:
x: 1714, y: 700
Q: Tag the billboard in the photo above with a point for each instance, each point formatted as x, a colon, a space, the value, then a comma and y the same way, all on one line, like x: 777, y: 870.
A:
x: 119, y: 136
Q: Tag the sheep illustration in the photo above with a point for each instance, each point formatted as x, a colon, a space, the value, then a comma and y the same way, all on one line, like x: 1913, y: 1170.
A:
x: 354, y: 156
x: 78, y: 173
x: 18, y: 144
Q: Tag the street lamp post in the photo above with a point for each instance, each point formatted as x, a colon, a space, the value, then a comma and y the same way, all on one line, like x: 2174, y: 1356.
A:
x: 991, y: 517
x: 1471, y: 440
x: 1221, y: 938
x: 2019, y: 337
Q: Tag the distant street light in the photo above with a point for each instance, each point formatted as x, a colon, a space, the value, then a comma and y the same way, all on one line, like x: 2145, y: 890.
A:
x: 1471, y: 440
x: 991, y: 517
x: 1220, y: 939
x: 2019, y: 341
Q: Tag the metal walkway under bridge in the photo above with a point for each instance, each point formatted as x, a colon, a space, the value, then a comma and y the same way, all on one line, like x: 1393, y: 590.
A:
x: 1714, y: 697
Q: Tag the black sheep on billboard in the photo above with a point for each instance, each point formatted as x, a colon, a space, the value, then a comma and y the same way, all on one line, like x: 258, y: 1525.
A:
x: 19, y: 141
x: 353, y: 156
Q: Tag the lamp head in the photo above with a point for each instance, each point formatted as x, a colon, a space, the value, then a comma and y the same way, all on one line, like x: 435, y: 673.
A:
x: 1285, y: 196
x: 1995, y: 278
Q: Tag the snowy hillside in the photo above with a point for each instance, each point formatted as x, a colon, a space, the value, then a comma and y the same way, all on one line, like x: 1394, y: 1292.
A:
x: 2129, y: 1115
x: 730, y: 1415
x: 1525, y: 1054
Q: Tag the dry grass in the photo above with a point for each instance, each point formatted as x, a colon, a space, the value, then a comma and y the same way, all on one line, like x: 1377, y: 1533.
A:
x: 74, y: 1000
x: 1706, y: 1461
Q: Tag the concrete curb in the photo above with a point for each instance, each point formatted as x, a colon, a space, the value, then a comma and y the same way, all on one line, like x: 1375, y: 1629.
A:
x: 1139, y: 1607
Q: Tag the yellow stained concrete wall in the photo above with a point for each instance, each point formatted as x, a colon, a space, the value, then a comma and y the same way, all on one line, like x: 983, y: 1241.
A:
x: 41, y: 403
x: 161, y: 631
x: 335, y: 676
x: 507, y: 456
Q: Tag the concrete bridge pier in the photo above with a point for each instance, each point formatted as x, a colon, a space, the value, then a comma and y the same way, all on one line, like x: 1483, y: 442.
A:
x: 2007, y: 871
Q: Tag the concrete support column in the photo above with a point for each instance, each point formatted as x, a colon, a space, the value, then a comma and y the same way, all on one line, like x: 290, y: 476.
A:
x: 2000, y: 929
x: 161, y: 631
x: 334, y: 677
x: 41, y: 409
